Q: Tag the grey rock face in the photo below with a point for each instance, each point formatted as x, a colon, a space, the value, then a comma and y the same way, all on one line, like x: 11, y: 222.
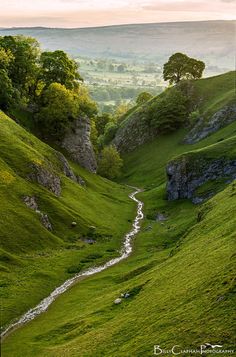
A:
x: 31, y: 202
x: 223, y: 117
x: 66, y: 167
x: 81, y: 181
x: 77, y: 143
x: 45, y: 221
x: 133, y: 133
x: 187, y: 174
x: 46, y: 178
x: 161, y: 217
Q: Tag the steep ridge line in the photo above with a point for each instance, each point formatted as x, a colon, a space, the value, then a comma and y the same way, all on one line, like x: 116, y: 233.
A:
x: 126, y: 250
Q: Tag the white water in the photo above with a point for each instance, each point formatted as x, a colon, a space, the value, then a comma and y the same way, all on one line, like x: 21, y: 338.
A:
x: 125, y: 252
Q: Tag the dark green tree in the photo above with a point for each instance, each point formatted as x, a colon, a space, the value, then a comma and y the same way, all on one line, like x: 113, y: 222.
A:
x: 57, y: 67
x: 143, y: 98
x: 23, y: 68
x: 58, y: 109
x: 169, y: 112
x: 180, y: 66
x: 101, y: 121
x: 7, y: 93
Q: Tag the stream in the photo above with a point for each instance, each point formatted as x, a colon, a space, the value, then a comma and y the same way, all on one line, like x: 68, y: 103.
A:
x: 124, y: 253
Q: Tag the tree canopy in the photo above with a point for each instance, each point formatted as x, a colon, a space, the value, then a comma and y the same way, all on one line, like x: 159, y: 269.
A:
x: 169, y: 112
x: 46, y: 82
x: 143, y: 98
x: 58, y: 67
x: 110, y: 163
x: 23, y: 55
x: 57, y: 111
x: 180, y: 66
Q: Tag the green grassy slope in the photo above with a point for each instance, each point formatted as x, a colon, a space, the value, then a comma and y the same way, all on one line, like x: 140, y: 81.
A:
x: 33, y: 259
x: 212, y: 94
x: 215, y: 92
x: 180, y: 293
x: 146, y: 166
x: 180, y: 276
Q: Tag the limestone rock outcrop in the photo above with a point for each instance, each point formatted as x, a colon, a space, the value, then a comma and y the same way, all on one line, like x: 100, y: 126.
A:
x: 77, y: 143
x: 186, y: 174
x: 203, y: 128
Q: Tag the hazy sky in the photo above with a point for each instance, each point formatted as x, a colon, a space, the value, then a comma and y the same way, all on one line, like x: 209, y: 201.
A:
x: 84, y: 13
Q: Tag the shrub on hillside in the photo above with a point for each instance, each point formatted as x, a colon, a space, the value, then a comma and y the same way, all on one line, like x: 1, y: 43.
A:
x: 143, y: 98
x: 109, y: 134
x: 169, y: 112
x: 110, y: 163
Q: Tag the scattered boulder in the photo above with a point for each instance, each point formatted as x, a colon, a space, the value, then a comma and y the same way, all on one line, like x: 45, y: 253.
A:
x: 161, y: 217
x: 148, y: 228
x: 77, y: 143
x: 73, y: 224
x: 31, y: 202
x: 46, y: 178
x: 117, y: 301
x: 89, y: 240
x: 45, y: 221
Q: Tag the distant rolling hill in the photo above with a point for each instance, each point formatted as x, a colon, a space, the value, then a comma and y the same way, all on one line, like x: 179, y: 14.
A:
x: 212, y: 41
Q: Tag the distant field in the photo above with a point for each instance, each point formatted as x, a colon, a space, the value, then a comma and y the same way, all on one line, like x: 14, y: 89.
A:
x: 209, y: 40
x: 111, y: 82
x: 130, y: 58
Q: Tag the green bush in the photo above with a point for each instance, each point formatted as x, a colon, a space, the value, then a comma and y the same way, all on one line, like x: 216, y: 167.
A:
x: 110, y: 163
x: 169, y: 112
x: 74, y: 269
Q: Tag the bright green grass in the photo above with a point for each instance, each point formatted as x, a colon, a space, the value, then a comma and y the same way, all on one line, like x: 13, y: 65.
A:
x: 215, y: 92
x: 180, y: 274
x: 34, y: 260
x: 146, y: 166
x: 182, y: 294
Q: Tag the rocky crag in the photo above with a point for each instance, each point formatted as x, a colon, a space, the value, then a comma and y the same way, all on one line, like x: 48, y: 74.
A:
x: 78, y: 145
x: 190, y: 171
x: 133, y: 133
x: 203, y: 128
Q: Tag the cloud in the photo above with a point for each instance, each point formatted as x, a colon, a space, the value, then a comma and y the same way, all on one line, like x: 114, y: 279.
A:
x: 188, y: 6
x: 178, y: 6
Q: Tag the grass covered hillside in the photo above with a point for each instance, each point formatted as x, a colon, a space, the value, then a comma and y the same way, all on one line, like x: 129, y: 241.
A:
x: 34, y: 259
x: 203, y: 106
x: 215, y: 92
x: 180, y: 280
x: 180, y: 275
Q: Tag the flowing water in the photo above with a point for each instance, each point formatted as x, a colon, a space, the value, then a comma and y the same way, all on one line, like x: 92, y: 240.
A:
x: 125, y: 252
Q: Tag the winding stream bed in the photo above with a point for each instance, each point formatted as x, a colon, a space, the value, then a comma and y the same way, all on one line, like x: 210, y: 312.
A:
x: 125, y: 252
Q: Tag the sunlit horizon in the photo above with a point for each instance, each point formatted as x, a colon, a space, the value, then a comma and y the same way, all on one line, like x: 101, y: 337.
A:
x: 94, y: 13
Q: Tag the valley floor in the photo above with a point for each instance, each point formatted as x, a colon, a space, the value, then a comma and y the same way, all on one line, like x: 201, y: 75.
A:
x: 179, y: 277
